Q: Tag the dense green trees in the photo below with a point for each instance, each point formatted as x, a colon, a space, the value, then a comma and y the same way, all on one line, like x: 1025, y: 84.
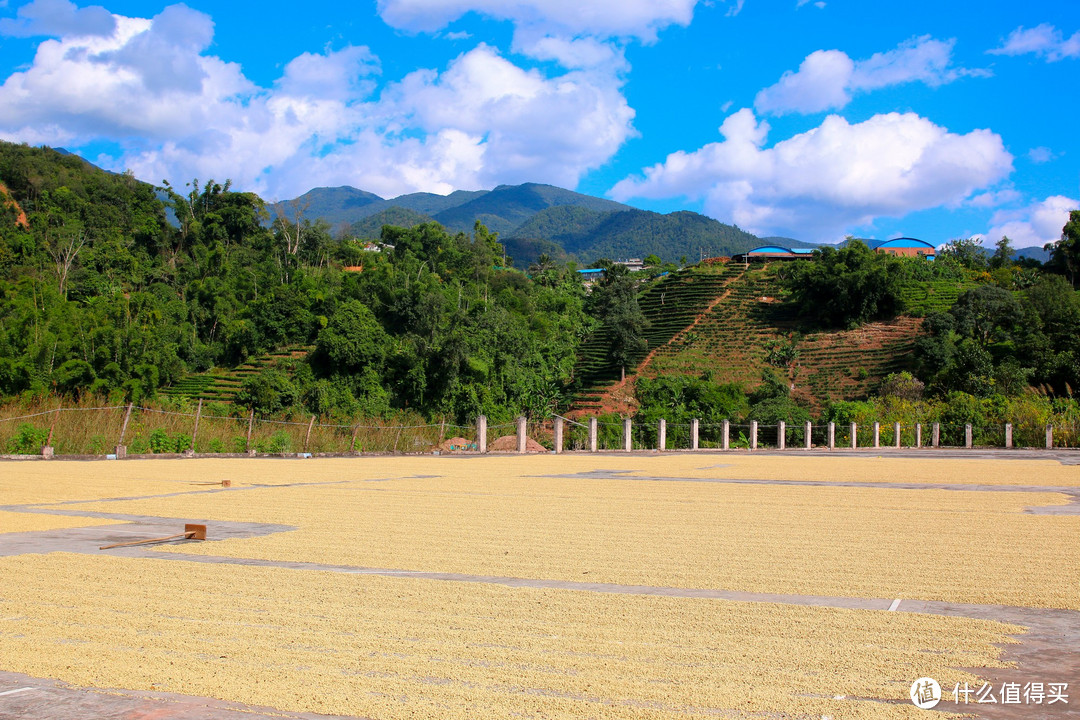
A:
x: 846, y: 286
x: 1065, y: 253
x: 614, y: 302
x: 113, y: 289
x: 991, y: 343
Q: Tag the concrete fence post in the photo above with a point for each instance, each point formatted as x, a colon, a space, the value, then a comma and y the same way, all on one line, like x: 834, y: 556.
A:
x: 854, y: 436
x: 307, y: 438
x: 918, y: 435
x: 481, y: 433
x: 522, y: 424
x: 753, y: 434
x: 808, y: 435
x: 195, y: 430
x: 661, y: 435
x: 694, y: 427
x: 558, y: 434
x: 1008, y: 435
x: 1049, y: 437
x: 877, y: 434
x: 935, y: 435
x: 781, y: 435
x: 725, y: 439
x: 592, y: 435
x: 47, y: 450
x: 251, y: 425
x: 121, y: 448
x: 832, y: 436
x: 627, y: 437
x: 896, y: 434
x: 967, y: 435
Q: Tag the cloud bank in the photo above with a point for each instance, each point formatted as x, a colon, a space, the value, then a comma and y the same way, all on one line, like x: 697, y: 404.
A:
x: 827, y: 79
x: 820, y: 184
x: 178, y: 112
x: 1032, y: 226
x: 1044, y: 41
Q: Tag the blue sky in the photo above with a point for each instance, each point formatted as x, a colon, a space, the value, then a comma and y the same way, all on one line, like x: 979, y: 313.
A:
x: 804, y: 118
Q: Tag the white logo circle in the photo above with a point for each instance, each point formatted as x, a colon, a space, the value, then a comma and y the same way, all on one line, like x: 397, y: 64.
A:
x: 925, y: 693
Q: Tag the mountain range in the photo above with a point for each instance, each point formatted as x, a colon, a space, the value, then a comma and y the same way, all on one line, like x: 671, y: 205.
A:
x: 532, y: 219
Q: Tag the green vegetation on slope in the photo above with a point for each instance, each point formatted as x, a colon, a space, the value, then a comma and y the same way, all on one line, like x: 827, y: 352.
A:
x: 102, y: 296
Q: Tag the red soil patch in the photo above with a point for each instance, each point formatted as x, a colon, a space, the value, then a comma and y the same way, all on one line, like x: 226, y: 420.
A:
x: 508, y: 443
x: 20, y: 218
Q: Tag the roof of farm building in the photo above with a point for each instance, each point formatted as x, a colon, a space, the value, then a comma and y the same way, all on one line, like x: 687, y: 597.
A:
x: 775, y: 252
x: 902, y: 242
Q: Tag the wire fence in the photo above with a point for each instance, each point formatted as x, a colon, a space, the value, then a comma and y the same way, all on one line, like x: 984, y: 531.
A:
x: 135, y: 430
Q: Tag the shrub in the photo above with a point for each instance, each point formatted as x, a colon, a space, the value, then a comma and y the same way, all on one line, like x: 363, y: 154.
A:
x: 160, y: 442
x: 276, y: 444
x: 28, y: 440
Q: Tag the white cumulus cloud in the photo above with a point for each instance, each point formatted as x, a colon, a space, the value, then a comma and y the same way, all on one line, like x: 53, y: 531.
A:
x: 1043, y: 40
x: 521, y: 116
x: 575, y: 34
x: 56, y: 18
x: 1035, y: 225
x: 827, y: 79
x: 152, y: 88
x: 600, y: 18
x: 824, y: 183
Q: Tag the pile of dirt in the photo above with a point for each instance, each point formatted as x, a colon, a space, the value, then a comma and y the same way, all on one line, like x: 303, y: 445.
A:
x: 456, y: 444
x: 508, y: 443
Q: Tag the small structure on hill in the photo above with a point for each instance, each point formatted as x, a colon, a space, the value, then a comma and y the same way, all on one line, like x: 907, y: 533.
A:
x: 766, y: 253
x: 904, y: 247
x: 591, y: 275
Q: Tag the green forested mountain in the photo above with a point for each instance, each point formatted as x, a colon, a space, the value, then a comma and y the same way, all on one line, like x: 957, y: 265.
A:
x: 372, y: 225
x: 534, y: 219
x: 636, y: 233
x: 335, y: 205
x: 506, y: 207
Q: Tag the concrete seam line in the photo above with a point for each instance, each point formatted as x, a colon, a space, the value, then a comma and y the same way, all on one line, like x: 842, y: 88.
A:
x: 895, y: 604
x: 17, y: 690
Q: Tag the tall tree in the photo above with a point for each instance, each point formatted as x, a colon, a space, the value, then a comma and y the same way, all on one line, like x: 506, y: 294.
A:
x: 615, y: 299
x: 1003, y: 253
x: 1065, y: 253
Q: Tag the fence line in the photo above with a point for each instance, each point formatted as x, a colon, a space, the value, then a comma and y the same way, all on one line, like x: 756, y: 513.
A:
x: 77, y: 431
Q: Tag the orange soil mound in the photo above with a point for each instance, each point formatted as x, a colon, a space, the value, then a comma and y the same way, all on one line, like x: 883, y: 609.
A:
x: 508, y: 443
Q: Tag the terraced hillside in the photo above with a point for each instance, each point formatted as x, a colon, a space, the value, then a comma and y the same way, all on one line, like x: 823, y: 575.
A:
x: 931, y: 296
x: 730, y: 334
x: 222, y: 385
x: 670, y: 305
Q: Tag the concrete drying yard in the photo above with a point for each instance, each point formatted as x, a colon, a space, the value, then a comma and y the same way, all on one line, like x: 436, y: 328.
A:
x: 577, y: 586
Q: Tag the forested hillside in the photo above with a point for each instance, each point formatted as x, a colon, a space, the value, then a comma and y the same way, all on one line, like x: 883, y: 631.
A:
x: 101, y: 295
x: 104, y: 297
x: 636, y: 233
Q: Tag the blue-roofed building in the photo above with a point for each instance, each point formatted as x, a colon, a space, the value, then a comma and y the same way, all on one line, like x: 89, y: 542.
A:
x: 774, y: 252
x: 591, y: 275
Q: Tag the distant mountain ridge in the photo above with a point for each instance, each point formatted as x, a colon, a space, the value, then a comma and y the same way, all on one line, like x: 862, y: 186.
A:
x: 534, y: 219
